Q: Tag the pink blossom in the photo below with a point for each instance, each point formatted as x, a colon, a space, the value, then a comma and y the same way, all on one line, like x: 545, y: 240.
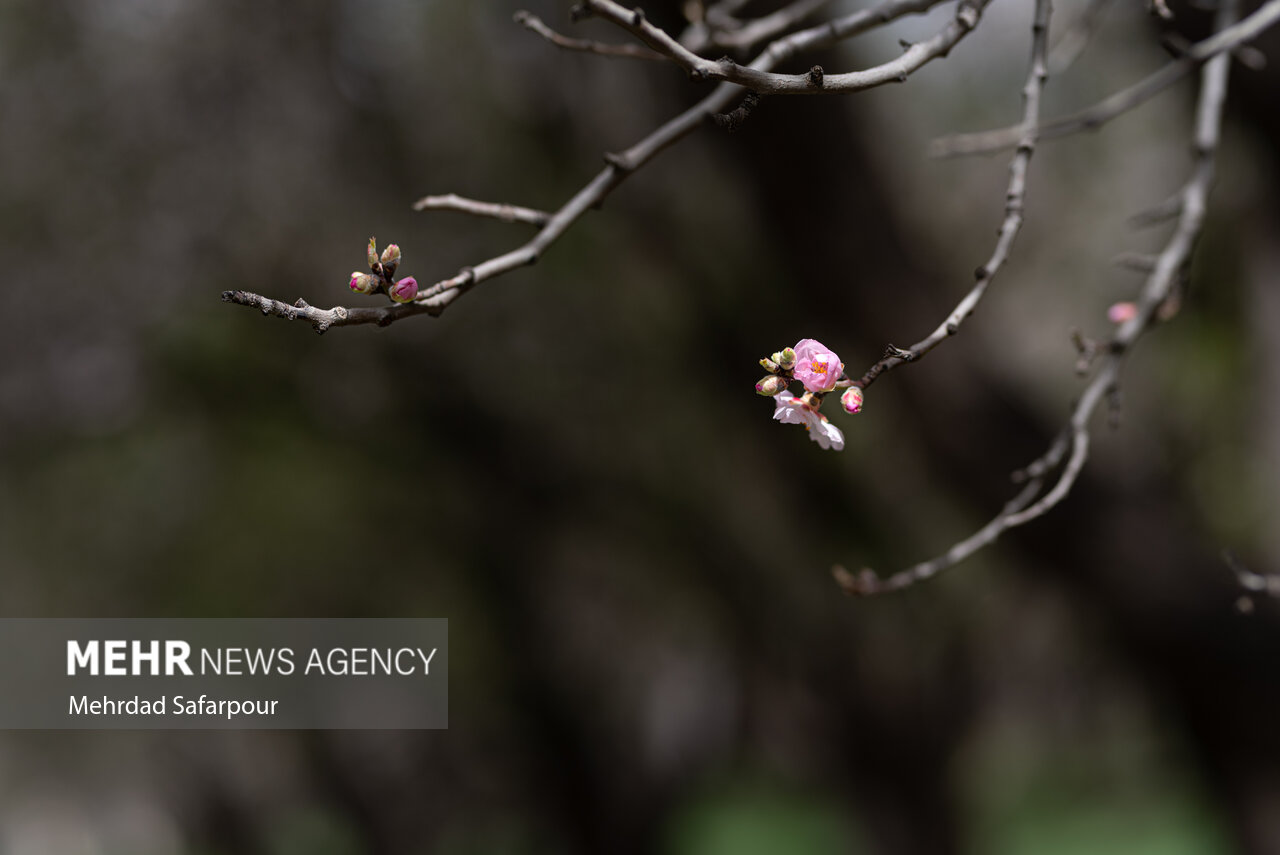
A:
x: 791, y: 410
x: 817, y: 367
x: 405, y: 290
x: 851, y: 400
x: 1121, y: 312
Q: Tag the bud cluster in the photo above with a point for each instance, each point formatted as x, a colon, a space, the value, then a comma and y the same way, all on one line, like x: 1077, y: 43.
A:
x: 381, y: 278
x: 820, y: 371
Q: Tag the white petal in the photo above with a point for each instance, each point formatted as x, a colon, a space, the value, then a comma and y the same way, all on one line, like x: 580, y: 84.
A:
x: 833, y: 434
x: 827, y: 435
x: 787, y: 412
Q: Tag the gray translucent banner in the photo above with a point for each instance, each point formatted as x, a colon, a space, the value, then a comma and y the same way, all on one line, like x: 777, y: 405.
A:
x: 224, y: 674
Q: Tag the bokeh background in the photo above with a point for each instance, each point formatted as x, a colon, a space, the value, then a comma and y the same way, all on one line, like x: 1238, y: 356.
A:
x: 649, y: 653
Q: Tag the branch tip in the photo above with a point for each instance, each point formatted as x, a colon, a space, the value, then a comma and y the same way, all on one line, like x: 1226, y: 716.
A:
x: 864, y: 584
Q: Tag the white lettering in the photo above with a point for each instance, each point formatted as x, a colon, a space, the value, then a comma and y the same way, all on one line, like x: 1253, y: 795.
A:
x: 400, y: 669
x: 175, y: 656
x: 151, y: 655
x: 115, y: 654
x: 82, y: 657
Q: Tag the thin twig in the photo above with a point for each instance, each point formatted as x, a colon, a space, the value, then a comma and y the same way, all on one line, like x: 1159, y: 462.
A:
x: 1140, y: 262
x: 815, y: 82
x: 534, y: 23
x: 753, y: 32
x: 496, y: 210
x: 436, y: 298
x: 1161, y: 283
x: 706, y: 22
x: 1013, y: 211
x: 1257, y: 583
x: 1074, y: 40
x: 1092, y: 118
x: 1167, y: 210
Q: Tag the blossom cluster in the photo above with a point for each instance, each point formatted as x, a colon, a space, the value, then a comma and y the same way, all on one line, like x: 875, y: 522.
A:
x: 382, y: 278
x: 819, y: 370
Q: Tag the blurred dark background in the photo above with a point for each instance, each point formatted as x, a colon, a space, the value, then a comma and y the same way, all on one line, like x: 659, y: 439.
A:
x: 649, y: 654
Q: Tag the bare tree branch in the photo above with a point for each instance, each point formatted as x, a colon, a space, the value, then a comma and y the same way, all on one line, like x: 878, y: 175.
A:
x: 1013, y: 211
x: 815, y: 82
x: 496, y: 210
x: 338, y: 316
x: 1092, y: 118
x: 436, y: 298
x: 1161, y: 283
x: 534, y: 23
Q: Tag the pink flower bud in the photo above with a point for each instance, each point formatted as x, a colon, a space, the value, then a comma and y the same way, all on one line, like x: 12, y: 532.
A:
x: 817, y: 367
x: 1119, y: 313
x: 851, y: 400
x: 405, y: 290
x: 771, y: 385
x: 362, y: 283
x: 786, y: 358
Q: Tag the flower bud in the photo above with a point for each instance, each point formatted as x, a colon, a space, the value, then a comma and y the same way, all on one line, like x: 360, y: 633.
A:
x: 771, y: 385
x: 786, y: 358
x: 851, y: 400
x: 1121, y: 312
x: 405, y: 290
x: 362, y: 283
x: 769, y: 365
x: 391, y: 259
x: 373, y: 254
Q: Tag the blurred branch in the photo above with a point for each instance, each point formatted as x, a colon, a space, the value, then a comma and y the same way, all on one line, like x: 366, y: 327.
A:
x: 436, y: 298
x: 814, y: 82
x: 1073, y: 442
x: 1013, y: 211
x: 498, y: 211
x: 1162, y: 213
x: 750, y: 33
x: 985, y: 142
x: 1077, y: 37
x: 534, y: 23
x: 1257, y: 583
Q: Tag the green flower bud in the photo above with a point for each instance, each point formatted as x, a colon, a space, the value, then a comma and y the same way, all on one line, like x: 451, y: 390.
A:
x: 771, y: 385
x: 391, y: 259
